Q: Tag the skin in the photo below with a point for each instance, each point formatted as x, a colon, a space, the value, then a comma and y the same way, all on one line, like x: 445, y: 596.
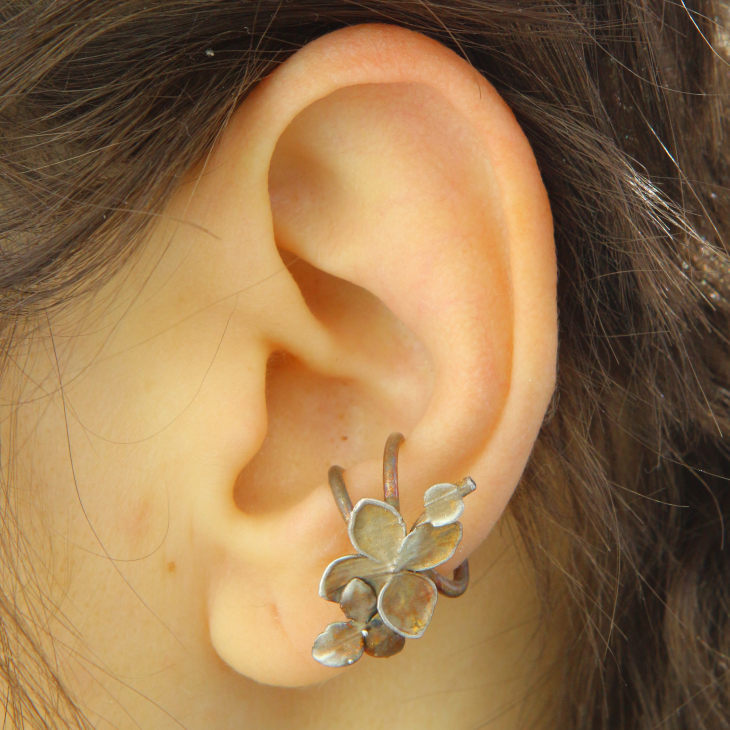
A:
x: 368, y: 249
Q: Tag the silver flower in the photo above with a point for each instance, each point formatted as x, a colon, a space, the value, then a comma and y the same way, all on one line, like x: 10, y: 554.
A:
x: 391, y: 560
x: 344, y: 642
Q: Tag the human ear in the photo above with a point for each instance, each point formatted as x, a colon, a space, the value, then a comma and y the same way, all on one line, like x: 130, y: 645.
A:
x: 419, y: 295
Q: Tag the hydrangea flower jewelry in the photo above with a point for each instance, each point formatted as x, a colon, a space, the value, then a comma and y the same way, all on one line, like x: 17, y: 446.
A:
x: 388, y: 590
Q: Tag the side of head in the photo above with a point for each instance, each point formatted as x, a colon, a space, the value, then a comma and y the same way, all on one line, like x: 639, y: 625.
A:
x: 366, y: 240
x: 367, y: 248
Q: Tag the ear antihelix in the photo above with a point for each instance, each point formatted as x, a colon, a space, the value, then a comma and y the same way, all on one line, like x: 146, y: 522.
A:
x: 388, y: 590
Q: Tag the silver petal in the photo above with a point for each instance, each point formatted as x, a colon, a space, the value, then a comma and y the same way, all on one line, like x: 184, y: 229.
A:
x: 444, y: 503
x: 427, y: 546
x: 406, y: 604
x: 341, y: 571
x: 339, y: 645
x: 382, y: 641
x: 377, y: 581
x: 358, y: 601
x: 376, y: 530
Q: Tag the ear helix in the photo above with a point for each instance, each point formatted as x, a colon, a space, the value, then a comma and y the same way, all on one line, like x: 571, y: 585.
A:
x: 388, y: 590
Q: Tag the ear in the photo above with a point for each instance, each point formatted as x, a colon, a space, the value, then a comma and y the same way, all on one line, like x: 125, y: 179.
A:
x: 419, y: 296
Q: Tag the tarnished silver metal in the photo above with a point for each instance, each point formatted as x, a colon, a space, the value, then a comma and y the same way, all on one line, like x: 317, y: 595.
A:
x: 448, y: 587
x: 377, y: 530
x: 390, y: 470
x: 358, y: 601
x: 338, y: 645
x: 343, y: 643
x: 339, y: 491
x: 388, y: 590
x: 406, y: 604
x: 341, y: 571
x: 426, y: 546
x: 444, y: 503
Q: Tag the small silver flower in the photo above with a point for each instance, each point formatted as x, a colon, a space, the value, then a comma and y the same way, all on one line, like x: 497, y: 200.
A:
x: 391, y: 560
x: 344, y: 642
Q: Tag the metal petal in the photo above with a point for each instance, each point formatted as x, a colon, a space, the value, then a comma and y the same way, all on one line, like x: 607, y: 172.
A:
x: 427, y: 546
x: 376, y: 530
x: 341, y: 571
x: 443, y: 504
x: 406, y: 604
x: 377, y: 581
x: 358, y: 601
x: 381, y: 641
x: 339, y: 645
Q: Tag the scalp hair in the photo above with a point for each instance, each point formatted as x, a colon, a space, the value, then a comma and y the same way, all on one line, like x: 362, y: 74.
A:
x: 104, y: 106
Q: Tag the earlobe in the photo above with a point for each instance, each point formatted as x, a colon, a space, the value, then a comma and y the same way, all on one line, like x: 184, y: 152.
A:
x: 403, y: 196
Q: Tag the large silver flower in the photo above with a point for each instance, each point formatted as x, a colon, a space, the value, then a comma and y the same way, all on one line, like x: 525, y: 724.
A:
x: 392, y: 561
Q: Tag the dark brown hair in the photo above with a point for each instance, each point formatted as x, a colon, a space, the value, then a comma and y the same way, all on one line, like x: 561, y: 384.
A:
x: 105, y: 105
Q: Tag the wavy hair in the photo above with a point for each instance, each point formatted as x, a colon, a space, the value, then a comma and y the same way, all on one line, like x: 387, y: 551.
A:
x: 105, y: 105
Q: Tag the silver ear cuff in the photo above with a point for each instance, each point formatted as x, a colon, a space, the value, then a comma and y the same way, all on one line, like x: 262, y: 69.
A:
x: 388, y: 590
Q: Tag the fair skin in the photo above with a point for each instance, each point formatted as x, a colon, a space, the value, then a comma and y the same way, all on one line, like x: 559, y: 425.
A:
x: 368, y: 249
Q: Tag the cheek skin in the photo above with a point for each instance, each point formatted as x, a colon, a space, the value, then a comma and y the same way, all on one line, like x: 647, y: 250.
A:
x: 138, y: 520
x: 144, y: 386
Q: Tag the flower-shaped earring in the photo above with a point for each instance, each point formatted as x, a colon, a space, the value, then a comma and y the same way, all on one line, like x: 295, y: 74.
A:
x: 343, y: 642
x: 388, y: 590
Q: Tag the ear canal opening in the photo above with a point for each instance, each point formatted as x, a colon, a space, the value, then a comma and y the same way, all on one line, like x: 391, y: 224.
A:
x: 312, y: 423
